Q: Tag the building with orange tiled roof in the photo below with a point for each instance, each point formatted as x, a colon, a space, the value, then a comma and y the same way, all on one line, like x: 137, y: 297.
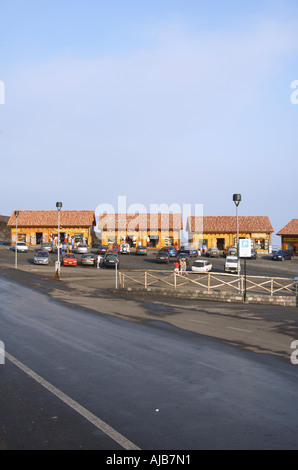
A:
x: 289, y: 236
x: 153, y: 230
x: 221, y: 231
x: 35, y: 227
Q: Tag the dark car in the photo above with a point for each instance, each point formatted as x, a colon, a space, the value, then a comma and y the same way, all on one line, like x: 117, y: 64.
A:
x: 213, y: 252
x: 254, y: 254
x: 189, y: 251
x: 183, y: 256
x: 110, y: 260
x: 171, y: 250
x: 141, y: 250
x: 281, y: 255
x: 103, y: 249
x: 162, y: 257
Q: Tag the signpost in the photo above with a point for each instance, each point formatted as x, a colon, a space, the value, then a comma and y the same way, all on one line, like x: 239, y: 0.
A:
x: 245, y: 252
x: 115, y: 249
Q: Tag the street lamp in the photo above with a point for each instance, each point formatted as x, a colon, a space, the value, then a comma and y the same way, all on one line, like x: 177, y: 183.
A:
x: 237, y: 199
x: 58, y: 205
x: 16, y: 213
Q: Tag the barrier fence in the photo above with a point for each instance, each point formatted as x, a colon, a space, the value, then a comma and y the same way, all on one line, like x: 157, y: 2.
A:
x: 208, y: 282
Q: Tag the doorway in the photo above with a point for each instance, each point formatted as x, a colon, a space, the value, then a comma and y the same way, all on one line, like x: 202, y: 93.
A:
x: 220, y: 243
x: 38, y: 237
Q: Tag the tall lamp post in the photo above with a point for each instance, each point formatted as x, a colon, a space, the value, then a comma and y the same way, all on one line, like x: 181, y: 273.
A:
x: 58, y: 205
x: 16, y: 213
x: 237, y: 200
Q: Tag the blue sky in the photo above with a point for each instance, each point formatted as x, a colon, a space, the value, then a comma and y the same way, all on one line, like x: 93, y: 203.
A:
x: 165, y: 102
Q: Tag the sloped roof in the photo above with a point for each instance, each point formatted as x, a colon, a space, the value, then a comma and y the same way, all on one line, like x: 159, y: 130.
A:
x: 50, y: 219
x: 290, y: 229
x: 140, y: 221
x: 228, y: 224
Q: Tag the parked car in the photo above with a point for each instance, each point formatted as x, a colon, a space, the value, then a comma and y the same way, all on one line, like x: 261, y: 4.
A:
x: 19, y: 246
x: 162, y: 257
x: 46, y: 246
x: 190, y: 251
x: 82, y: 249
x: 110, y: 260
x: 125, y: 248
x: 88, y: 260
x: 171, y: 250
x: 201, y: 266
x: 103, y: 249
x: 69, y: 259
x: 231, y: 264
x: 230, y: 251
x: 41, y: 257
x: 281, y: 255
x: 212, y: 252
x: 141, y: 250
x: 254, y: 254
x: 183, y: 255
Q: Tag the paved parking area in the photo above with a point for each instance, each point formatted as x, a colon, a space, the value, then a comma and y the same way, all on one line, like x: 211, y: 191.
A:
x: 262, y: 266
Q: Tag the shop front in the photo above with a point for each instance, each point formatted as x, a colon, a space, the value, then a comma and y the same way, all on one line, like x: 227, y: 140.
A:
x: 221, y: 232
x: 289, y: 236
x: 36, y: 227
x: 151, y: 230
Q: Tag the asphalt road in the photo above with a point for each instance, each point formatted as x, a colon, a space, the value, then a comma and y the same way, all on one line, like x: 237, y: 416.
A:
x: 88, y: 369
x: 76, y: 378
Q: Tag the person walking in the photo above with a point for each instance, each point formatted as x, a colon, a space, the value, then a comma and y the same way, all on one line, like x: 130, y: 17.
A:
x: 176, y: 266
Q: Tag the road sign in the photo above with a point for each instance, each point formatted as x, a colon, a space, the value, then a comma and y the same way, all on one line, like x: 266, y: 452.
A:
x: 245, y: 248
x: 115, y: 247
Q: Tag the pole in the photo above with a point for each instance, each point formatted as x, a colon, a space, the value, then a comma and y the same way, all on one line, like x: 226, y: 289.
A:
x: 16, y: 250
x: 57, y: 273
x: 16, y: 213
x: 245, y: 279
x: 238, y: 260
x: 116, y: 273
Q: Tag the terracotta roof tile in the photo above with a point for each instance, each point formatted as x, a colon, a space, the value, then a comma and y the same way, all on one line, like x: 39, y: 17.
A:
x: 50, y: 219
x: 228, y: 224
x: 141, y: 221
x: 290, y: 229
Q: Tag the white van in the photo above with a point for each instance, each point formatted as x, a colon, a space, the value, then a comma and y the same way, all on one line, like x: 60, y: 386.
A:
x: 231, y: 264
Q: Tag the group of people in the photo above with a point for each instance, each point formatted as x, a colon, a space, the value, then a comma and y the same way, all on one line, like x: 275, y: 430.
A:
x: 180, y: 266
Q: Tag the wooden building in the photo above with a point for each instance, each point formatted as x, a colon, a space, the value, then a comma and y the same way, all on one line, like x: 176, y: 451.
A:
x: 35, y: 227
x: 152, y: 230
x: 221, y: 231
x: 289, y: 236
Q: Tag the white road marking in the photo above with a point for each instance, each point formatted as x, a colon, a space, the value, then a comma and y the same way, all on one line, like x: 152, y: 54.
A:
x: 239, y: 329
x: 108, y: 430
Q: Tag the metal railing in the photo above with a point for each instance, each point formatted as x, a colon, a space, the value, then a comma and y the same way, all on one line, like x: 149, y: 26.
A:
x: 207, y: 282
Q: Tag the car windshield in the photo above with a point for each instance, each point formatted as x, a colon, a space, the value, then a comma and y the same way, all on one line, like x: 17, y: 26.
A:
x: 199, y: 264
x: 42, y: 254
x: 69, y: 256
x: 88, y: 256
x: 141, y: 247
x: 21, y: 243
x: 111, y: 256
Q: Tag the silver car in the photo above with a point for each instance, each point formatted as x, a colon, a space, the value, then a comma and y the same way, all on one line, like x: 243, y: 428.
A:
x: 21, y: 246
x: 82, y: 249
x: 42, y: 257
x: 88, y: 260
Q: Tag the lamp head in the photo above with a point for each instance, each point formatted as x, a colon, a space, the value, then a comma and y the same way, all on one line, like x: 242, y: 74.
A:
x: 58, y: 205
x: 237, y: 199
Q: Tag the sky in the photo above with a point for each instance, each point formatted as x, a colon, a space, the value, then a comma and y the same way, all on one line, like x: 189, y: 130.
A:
x: 163, y: 103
